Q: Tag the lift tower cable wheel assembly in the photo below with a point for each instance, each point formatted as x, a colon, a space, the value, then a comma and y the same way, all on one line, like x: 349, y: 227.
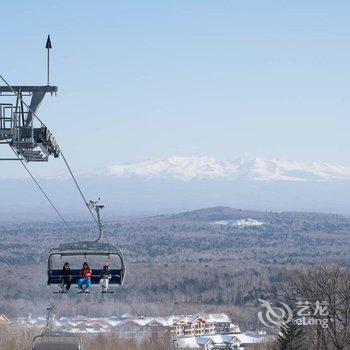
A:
x: 20, y: 127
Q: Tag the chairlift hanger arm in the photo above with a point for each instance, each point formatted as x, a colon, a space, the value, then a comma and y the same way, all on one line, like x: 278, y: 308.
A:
x: 97, y: 207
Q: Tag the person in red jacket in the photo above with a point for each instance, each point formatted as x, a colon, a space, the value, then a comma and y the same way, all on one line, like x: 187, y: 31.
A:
x: 85, y: 279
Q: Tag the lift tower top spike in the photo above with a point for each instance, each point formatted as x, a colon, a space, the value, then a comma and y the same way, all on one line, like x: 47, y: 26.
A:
x: 48, y: 46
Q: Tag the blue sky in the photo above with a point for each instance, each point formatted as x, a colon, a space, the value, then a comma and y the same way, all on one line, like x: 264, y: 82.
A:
x: 149, y: 79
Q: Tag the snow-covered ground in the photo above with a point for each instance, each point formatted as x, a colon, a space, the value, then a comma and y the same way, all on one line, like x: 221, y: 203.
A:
x: 226, y: 341
x: 186, y: 331
x: 83, y: 324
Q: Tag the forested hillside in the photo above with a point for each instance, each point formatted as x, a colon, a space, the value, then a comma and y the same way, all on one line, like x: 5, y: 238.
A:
x: 194, y: 261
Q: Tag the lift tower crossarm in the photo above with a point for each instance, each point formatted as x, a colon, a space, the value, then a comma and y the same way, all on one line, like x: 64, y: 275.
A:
x: 29, y: 88
x: 37, y: 93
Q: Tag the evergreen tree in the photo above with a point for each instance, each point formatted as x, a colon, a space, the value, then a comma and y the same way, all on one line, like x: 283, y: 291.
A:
x: 290, y: 336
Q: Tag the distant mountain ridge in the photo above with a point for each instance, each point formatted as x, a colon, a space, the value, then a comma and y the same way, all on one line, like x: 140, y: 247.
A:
x: 238, y: 169
x: 217, y: 213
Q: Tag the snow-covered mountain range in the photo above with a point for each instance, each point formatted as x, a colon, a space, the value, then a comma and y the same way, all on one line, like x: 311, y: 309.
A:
x: 242, y: 169
x: 177, y: 184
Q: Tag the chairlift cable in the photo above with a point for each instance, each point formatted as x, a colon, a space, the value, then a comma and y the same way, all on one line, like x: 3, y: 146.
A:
x: 40, y: 188
x: 133, y: 308
x: 78, y: 187
x: 138, y: 314
x: 5, y: 260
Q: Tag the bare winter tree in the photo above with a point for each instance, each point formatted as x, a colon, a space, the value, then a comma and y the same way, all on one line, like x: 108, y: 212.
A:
x: 330, y: 284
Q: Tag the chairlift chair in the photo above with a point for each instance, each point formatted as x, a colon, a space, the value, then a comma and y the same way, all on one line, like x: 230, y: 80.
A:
x: 96, y: 253
x: 57, y: 341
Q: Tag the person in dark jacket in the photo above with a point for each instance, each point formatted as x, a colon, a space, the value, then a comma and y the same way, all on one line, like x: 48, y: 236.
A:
x: 66, y: 278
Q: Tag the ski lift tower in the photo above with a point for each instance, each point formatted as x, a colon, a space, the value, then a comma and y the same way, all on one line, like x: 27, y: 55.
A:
x: 19, y: 126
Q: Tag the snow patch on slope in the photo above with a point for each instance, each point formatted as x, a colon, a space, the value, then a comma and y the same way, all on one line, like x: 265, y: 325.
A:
x: 240, y: 222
